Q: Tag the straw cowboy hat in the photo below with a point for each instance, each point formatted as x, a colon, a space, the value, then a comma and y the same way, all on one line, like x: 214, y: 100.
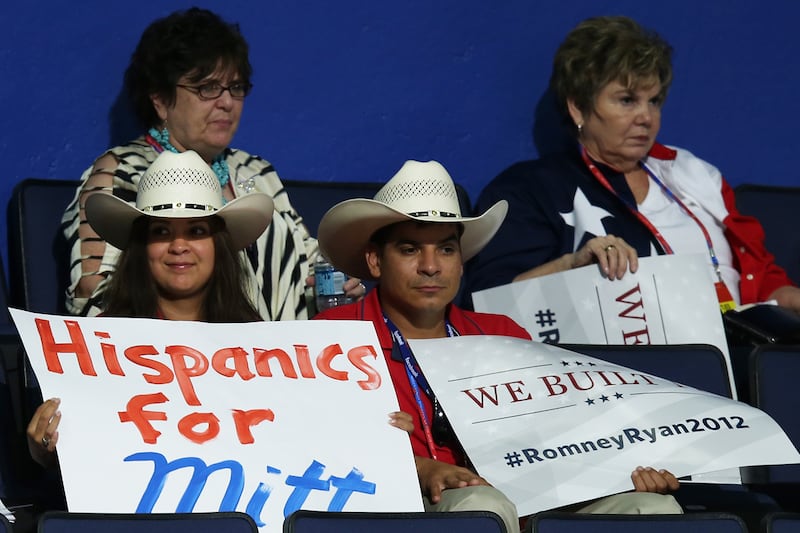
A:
x: 179, y: 186
x: 419, y: 191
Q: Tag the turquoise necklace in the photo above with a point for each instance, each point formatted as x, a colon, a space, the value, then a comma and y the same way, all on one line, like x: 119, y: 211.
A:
x: 218, y: 165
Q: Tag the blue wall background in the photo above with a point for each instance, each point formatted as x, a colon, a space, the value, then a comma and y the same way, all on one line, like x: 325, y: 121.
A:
x: 347, y: 91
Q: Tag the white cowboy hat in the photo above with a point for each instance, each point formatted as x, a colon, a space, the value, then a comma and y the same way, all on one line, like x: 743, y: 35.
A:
x: 419, y: 191
x: 179, y: 186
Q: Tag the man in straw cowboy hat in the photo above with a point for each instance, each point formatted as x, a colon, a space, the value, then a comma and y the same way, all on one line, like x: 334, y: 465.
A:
x: 413, y: 240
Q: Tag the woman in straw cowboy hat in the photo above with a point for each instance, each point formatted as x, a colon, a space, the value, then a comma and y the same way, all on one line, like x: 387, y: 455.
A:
x: 179, y: 257
x: 179, y: 245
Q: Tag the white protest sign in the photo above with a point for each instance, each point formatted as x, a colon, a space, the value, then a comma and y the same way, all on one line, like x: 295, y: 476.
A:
x: 669, y: 300
x: 550, y: 427
x: 265, y: 417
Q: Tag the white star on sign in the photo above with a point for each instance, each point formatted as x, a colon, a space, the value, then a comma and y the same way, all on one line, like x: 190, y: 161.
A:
x: 585, y: 218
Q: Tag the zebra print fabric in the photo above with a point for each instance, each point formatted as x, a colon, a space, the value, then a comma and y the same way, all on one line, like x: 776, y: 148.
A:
x: 277, y: 263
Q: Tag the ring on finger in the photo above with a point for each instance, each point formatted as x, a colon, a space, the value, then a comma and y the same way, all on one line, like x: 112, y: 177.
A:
x: 45, y: 441
x: 607, y: 248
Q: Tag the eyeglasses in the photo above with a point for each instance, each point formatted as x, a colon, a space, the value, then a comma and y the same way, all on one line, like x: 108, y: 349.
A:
x: 213, y: 90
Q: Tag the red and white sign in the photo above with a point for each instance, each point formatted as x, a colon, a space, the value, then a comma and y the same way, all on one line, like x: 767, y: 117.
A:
x: 264, y: 417
x: 669, y: 300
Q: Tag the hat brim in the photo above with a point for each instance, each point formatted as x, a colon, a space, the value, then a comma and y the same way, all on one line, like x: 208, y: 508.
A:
x: 345, y: 230
x: 245, y: 217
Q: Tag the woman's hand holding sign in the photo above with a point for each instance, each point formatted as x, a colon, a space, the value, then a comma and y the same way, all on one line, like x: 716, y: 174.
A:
x: 43, y: 432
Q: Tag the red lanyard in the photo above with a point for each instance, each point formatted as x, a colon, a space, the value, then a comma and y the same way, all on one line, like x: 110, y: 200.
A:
x: 723, y: 294
x: 656, y: 233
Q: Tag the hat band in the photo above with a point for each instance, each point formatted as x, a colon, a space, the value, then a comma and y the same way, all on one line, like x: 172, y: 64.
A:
x: 433, y: 213
x: 179, y: 205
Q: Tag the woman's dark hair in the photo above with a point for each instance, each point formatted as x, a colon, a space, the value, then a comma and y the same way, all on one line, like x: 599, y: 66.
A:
x: 601, y: 50
x: 195, y: 42
x: 132, y: 291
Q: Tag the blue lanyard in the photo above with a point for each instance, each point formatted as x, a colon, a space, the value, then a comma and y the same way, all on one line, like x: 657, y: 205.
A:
x: 690, y: 214
x: 416, y: 379
x: 649, y: 225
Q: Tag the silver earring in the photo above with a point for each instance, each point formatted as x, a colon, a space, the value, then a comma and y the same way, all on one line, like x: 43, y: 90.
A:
x: 580, y: 128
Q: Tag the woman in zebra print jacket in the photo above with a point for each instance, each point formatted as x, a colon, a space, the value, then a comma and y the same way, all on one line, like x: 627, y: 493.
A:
x: 187, y: 80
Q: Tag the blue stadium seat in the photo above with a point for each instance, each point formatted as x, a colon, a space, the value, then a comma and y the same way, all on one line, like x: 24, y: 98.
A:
x: 9, y: 430
x: 304, y: 521
x: 701, y: 366
x: 312, y: 199
x: 38, y: 255
x: 10, y: 346
x: 5, y: 525
x: 6, y: 324
x: 21, y: 483
x: 557, y: 522
x: 775, y: 206
x: 12, y: 439
x: 782, y: 522
x: 228, y: 522
x: 772, y: 372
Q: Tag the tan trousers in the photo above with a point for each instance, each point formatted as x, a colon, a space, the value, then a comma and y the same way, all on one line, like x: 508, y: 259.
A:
x: 478, y: 498
x: 485, y: 498
x: 630, y: 503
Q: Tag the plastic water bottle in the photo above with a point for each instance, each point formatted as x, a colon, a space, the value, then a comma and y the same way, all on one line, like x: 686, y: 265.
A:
x: 328, y: 285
